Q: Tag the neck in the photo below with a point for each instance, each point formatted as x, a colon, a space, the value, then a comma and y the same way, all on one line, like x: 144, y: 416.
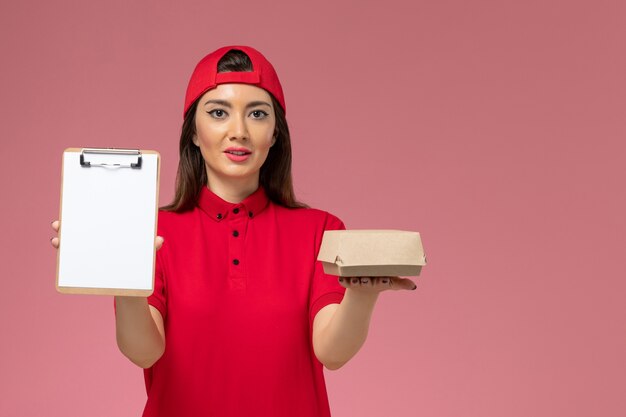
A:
x: 233, y: 190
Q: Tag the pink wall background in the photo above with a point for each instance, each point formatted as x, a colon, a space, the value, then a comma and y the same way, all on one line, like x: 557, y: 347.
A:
x: 494, y: 128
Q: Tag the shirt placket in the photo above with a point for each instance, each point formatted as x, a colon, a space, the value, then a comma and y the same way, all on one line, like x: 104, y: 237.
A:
x: 238, y: 266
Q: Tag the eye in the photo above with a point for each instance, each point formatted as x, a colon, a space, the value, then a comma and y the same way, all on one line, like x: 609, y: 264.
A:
x: 217, y: 113
x: 260, y: 113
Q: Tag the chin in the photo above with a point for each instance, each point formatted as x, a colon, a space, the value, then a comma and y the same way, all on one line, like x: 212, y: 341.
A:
x: 237, y: 173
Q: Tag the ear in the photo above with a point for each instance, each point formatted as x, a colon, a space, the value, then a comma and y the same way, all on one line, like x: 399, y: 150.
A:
x: 273, y: 140
x: 194, y: 139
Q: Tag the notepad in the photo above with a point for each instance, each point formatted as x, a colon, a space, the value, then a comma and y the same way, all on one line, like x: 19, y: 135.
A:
x: 108, y: 219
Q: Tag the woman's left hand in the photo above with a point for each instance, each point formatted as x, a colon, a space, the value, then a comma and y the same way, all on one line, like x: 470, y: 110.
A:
x: 376, y: 284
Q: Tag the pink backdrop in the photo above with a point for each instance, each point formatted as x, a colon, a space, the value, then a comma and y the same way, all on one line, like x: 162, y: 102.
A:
x: 496, y: 129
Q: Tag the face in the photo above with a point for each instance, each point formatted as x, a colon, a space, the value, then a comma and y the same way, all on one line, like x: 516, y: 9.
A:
x: 230, y: 118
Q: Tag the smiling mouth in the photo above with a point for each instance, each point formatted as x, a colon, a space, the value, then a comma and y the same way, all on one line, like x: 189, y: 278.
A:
x: 240, y: 153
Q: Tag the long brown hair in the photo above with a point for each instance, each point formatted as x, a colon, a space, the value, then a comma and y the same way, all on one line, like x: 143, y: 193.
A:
x: 275, y: 173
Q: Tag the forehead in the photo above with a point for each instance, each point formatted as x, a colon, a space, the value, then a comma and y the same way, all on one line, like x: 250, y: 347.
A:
x: 236, y: 92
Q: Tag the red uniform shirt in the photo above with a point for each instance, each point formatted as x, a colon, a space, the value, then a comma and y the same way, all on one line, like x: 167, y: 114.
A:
x: 238, y: 286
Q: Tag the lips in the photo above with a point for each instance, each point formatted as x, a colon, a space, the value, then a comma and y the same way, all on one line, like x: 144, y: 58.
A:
x: 238, y: 151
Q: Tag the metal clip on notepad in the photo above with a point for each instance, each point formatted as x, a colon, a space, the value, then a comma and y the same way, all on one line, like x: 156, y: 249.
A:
x: 110, y: 151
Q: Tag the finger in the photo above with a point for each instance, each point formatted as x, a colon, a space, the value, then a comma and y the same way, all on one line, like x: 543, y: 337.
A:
x: 349, y: 282
x: 410, y: 284
x: 55, y: 225
x: 384, y: 282
x: 55, y: 242
x: 403, y: 283
x: 158, y: 242
x: 366, y: 282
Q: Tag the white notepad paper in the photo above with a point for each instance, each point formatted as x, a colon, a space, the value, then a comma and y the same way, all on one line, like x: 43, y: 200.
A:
x: 108, y: 222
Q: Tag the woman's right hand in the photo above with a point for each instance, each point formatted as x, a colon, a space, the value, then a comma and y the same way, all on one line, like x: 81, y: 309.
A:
x: 158, y: 241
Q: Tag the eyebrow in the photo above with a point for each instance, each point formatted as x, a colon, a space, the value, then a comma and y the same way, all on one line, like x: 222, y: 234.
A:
x: 227, y: 104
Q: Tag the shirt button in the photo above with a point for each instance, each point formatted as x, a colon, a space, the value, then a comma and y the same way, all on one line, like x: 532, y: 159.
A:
x: 236, y: 210
x: 235, y: 233
x: 250, y: 214
x: 236, y: 261
x: 219, y: 215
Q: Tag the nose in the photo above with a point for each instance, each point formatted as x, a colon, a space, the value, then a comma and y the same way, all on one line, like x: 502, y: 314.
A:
x: 238, y: 128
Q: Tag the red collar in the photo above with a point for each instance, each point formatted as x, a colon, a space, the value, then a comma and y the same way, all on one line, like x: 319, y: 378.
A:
x: 219, y: 209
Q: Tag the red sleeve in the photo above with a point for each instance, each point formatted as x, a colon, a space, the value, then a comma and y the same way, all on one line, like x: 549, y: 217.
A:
x: 325, y: 289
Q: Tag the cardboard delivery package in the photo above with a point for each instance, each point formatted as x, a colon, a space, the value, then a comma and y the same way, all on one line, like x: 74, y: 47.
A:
x: 371, y: 253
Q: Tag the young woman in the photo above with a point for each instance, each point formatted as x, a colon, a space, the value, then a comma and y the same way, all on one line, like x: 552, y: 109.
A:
x: 242, y: 319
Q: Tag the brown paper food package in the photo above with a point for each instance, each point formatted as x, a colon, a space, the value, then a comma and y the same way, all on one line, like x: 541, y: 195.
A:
x: 352, y: 253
